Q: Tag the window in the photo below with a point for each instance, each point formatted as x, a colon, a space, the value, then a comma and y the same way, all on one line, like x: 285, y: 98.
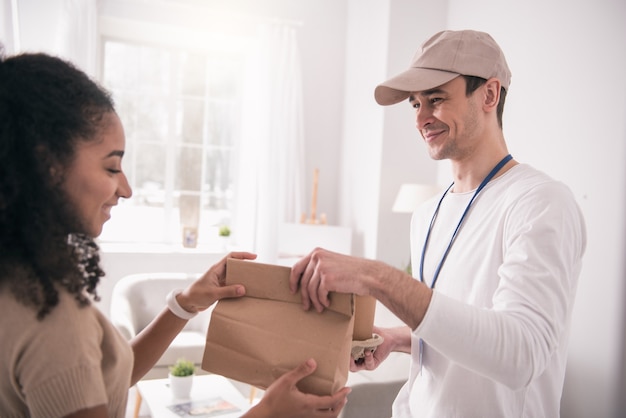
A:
x: 180, y: 111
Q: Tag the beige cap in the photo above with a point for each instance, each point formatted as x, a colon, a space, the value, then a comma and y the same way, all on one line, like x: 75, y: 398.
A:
x: 444, y: 56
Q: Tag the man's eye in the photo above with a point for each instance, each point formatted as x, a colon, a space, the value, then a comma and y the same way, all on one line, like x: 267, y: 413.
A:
x: 435, y: 100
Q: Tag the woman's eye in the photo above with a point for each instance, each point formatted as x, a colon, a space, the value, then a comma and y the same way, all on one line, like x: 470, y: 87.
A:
x: 114, y: 171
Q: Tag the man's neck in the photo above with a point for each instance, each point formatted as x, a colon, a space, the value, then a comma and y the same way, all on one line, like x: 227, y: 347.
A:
x: 470, y: 173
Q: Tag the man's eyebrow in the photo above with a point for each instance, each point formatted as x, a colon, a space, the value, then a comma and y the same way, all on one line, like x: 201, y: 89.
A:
x: 436, y: 90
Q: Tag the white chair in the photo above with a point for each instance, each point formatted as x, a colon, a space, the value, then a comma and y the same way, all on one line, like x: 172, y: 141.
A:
x: 138, y: 298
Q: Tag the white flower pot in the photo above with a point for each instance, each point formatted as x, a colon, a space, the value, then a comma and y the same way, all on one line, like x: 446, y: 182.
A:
x: 225, y: 242
x: 181, y: 386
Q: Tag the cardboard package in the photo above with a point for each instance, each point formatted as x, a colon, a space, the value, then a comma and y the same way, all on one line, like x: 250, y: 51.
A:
x: 256, y: 338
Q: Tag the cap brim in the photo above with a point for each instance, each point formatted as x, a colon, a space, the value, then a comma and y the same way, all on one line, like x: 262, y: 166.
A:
x: 398, y: 88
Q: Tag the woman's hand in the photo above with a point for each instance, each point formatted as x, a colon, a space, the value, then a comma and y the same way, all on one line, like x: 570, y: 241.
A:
x: 150, y: 344
x: 211, y: 287
x: 284, y: 400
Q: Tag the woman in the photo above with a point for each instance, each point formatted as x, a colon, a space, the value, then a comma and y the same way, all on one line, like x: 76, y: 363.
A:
x: 61, y: 149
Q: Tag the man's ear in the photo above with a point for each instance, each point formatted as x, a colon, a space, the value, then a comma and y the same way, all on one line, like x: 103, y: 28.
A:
x: 491, y: 94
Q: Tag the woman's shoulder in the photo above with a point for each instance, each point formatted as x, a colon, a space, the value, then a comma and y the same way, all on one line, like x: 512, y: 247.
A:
x: 48, y: 356
x: 67, y: 321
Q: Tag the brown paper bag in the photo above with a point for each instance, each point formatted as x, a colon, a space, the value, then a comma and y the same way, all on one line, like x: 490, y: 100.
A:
x: 257, y: 338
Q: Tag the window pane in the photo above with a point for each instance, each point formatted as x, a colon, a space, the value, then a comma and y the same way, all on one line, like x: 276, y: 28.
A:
x: 220, y: 123
x: 134, y: 67
x: 190, y: 120
x: 188, y: 168
x: 192, y: 72
x: 223, y: 80
x: 149, y: 174
x: 180, y: 111
x: 189, y: 209
x: 152, y: 118
x: 218, y: 181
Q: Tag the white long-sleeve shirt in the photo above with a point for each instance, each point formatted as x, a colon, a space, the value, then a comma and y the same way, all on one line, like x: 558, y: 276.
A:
x: 496, y: 332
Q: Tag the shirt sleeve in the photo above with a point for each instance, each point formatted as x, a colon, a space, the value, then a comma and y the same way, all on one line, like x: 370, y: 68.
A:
x: 59, y: 366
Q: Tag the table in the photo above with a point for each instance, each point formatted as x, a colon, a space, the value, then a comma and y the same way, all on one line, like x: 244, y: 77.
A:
x: 207, y: 392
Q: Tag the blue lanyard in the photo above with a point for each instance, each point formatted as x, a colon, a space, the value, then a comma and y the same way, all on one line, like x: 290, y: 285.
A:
x: 492, y: 173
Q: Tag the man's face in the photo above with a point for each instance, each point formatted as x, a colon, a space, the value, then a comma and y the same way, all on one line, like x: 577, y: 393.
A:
x: 447, y: 119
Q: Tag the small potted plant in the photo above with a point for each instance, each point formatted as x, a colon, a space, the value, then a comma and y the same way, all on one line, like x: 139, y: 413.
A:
x: 224, y: 231
x: 181, y: 377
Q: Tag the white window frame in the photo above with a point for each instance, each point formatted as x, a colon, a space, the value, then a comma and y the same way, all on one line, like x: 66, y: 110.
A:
x: 173, y: 37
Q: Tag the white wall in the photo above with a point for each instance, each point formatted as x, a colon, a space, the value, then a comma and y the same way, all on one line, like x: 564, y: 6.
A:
x: 404, y: 158
x: 361, y: 145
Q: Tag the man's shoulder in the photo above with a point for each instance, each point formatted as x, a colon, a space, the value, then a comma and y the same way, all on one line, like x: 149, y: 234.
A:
x: 528, y: 173
x: 525, y: 187
x: 524, y: 178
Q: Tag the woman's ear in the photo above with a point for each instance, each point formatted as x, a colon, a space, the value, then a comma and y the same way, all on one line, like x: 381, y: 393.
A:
x: 56, y: 174
x: 54, y: 168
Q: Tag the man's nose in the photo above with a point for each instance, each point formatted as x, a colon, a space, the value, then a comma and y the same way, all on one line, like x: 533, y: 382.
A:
x: 423, y: 116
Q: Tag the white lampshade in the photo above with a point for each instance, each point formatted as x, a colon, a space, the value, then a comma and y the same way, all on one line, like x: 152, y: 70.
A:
x: 410, y: 196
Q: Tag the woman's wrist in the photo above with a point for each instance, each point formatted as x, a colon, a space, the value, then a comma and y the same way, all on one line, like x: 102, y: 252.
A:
x: 257, y: 411
x: 176, y: 308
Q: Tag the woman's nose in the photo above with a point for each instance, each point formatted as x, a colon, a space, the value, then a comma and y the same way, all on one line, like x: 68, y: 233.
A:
x: 124, y: 189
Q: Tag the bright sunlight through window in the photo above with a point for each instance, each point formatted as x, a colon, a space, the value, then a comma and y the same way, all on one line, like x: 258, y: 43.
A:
x: 180, y: 110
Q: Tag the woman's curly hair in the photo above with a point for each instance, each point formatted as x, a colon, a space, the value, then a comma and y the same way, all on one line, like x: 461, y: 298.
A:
x: 46, y: 107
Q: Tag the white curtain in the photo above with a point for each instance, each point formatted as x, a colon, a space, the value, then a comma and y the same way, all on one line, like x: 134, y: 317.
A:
x: 270, y: 180
x: 9, y: 28
x: 77, y: 33
x: 66, y: 28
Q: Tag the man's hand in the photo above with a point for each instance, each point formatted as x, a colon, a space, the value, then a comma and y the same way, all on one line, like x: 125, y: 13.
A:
x: 394, y: 339
x: 323, y: 271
